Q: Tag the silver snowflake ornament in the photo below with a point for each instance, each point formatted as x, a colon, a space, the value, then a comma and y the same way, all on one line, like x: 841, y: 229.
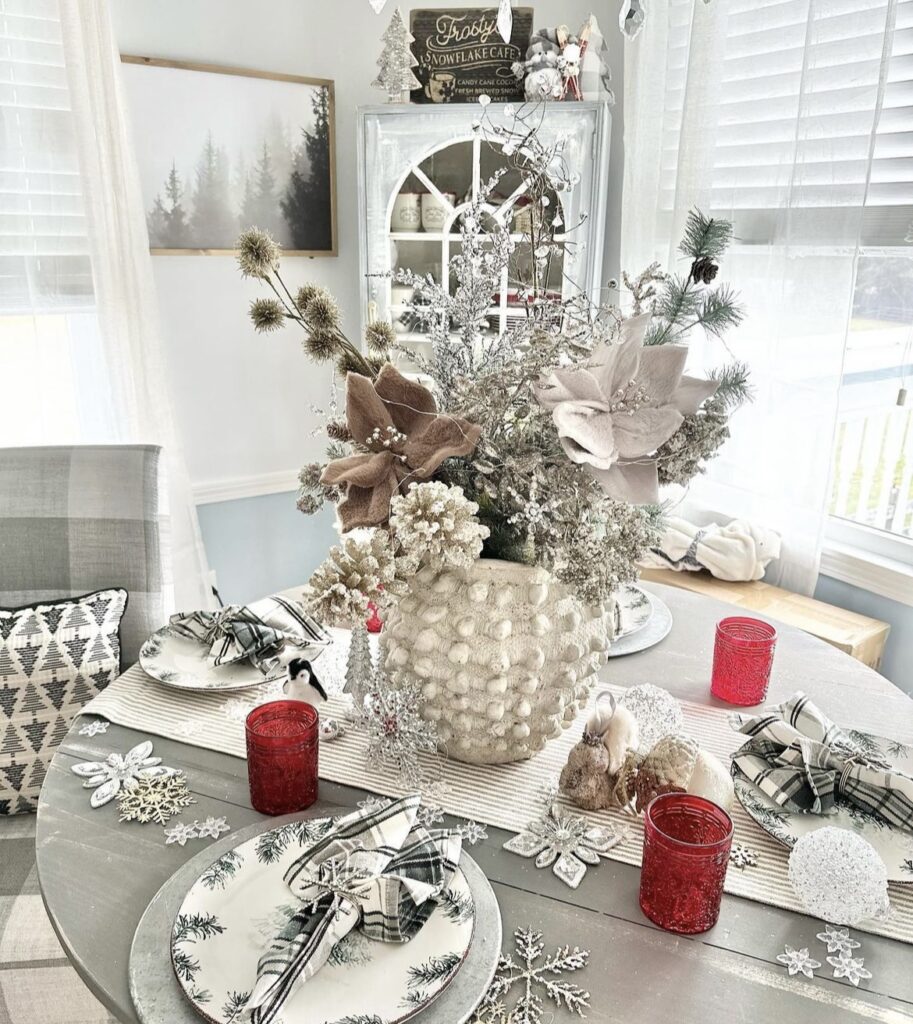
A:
x: 797, y: 961
x: 849, y: 968
x: 525, y: 971
x: 397, y: 733
x: 212, y: 828
x: 472, y: 832
x: 566, y: 843
x: 155, y: 799
x: 96, y: 728
x: 837, y: 939
x: 743, y: 856
x: 119, y: 771
x: 180, y: 833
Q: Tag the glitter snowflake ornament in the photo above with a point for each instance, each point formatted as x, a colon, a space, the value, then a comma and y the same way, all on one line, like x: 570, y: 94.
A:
x: 156, y: 799
x: 472, y: 832
x: 837, y: 940
x: 742, y: 857
x: 657, y: 712
x: 566, y: 843
x: 525, y: 971
x: 838, y: 876
x: 119, y: 771
x: 798, y: 961
x: 849, y: 968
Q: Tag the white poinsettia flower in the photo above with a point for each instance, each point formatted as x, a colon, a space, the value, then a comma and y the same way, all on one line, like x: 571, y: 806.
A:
x: 613, y: 412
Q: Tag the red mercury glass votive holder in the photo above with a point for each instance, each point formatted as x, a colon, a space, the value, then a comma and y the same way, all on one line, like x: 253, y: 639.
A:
x: 374, y: 623
x: 742, y: 659
x: 686, y: 854
x: 282, y: 745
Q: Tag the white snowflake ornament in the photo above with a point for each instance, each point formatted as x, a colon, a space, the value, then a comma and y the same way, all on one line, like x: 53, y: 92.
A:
x: 566, y: 843
x: 472, y: 832
x: 798, y: 961
x: 212, y: 828
x: 119, y: 771
x: 429, y: 815
x: 96, y: 728
x: 373, y: 803
x: 742, y: 857
x: 837, y: 940
x: 849, y: 968
x: 180, y: 833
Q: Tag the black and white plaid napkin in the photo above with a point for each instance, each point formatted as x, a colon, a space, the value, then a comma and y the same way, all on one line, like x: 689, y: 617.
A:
x: 803, y: 761
x: 258, y: 632
x: 376, y: 871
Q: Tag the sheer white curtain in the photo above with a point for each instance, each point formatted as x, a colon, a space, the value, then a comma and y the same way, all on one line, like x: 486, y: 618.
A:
x: 776, y: 115
x: 80, y: 354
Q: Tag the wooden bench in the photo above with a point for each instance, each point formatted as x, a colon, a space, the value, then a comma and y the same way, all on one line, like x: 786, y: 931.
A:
x: 857, y: 635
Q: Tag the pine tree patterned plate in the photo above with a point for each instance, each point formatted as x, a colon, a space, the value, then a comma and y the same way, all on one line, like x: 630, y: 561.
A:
x: 633, y: 610
x: 893, y: 845
x: 182, y: 662
x: 241, y: 900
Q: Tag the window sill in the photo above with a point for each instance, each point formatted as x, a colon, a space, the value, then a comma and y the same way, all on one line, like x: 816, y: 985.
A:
x: 877, y: 574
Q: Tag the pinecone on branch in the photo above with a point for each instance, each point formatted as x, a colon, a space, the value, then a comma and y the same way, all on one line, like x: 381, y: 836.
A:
x: 704, y: 270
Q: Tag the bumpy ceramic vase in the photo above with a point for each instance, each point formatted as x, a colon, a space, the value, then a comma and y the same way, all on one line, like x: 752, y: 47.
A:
x: 504, y: 654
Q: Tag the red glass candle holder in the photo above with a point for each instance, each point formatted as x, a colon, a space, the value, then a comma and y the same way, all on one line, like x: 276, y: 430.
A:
x: 742, y: 659
x: 686, y: 854
x: 282, y: 746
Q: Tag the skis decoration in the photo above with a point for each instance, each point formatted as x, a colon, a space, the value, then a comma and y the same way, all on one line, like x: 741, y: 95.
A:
x: 505, y: 20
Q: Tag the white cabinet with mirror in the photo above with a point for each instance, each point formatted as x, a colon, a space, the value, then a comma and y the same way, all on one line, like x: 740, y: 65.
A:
x: 421, y: 166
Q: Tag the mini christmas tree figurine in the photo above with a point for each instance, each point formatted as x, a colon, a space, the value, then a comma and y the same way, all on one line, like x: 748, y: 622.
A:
x: 396, y: 62
x: 360, y: 667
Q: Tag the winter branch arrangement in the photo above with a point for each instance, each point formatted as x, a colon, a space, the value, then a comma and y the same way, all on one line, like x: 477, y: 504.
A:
x: 544, y: 445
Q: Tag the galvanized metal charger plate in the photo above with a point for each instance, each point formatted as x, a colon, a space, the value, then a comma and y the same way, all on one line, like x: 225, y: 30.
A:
x: 656, y: 629
x: 158, y: 997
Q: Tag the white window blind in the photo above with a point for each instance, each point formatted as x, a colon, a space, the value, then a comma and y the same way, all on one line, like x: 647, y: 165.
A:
x: 44, y: 254
x: 792, y: 116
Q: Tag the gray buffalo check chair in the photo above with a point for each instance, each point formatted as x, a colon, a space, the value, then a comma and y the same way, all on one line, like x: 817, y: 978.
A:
x: 72, y: 521
x: 79, y: 519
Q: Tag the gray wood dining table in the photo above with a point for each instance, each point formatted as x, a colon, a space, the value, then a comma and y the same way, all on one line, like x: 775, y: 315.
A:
x: 97, y: 876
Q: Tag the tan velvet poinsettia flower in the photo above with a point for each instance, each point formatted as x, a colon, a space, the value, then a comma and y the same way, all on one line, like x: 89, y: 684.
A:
x: 408, y: 439
x: 614, y: 413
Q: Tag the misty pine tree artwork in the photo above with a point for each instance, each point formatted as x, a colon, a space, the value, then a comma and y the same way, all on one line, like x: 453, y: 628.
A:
x: 221, y: 149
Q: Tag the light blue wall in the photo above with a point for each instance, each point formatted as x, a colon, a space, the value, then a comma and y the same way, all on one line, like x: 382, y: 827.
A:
x: 898, y: 658
x: 260, y: 545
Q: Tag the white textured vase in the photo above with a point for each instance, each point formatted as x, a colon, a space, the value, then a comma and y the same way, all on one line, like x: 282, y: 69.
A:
x: 505, y: 656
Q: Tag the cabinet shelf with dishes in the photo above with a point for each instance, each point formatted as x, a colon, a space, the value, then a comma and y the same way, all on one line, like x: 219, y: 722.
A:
x: 419, y: 169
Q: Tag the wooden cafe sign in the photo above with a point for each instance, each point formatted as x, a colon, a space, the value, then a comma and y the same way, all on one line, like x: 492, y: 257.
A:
x: 461, y: 54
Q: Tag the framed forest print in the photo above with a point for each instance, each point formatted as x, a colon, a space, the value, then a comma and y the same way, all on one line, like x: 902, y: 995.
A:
x: 223, y: 149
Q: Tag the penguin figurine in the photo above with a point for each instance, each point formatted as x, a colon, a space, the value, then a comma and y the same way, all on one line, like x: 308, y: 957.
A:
x: 303, y: 684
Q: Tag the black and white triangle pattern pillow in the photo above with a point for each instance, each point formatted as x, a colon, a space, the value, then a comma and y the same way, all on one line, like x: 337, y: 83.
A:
x: 54, y: 658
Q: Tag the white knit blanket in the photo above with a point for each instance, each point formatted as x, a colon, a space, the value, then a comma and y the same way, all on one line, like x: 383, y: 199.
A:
x: 506, y: 796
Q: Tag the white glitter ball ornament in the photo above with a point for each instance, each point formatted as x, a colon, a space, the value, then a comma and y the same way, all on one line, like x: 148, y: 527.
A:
x: 838, y: 876
x: 657, y: 712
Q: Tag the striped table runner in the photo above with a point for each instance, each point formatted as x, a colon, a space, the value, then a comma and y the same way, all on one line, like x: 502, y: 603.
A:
x: 506, y: 796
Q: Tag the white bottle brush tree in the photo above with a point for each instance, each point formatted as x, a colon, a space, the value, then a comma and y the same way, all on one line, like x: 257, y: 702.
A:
x: 396, y: 62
